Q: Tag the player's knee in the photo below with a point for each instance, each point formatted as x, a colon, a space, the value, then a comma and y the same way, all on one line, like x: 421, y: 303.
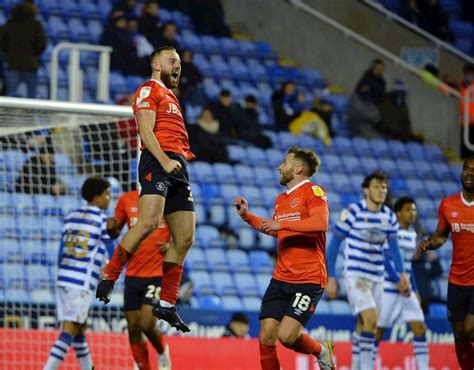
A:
x: 185, y: 242
x: 266, y: 338
x: 146, y: 324
x: 419, y: 330
x: 468, y: 332
x: 148, y: 225
x: 134, y: 332
x: 287, y: 338
x: 369, y: 323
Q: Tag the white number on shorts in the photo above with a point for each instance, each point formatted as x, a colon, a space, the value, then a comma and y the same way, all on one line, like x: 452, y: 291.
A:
x: 190, y: 197
x: 302, y: 301
x: 153, y: 292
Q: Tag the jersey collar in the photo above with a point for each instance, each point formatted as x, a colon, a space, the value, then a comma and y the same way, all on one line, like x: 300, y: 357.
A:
x: 297, y: 186
x: 469, y: 204
x: 160, y: 83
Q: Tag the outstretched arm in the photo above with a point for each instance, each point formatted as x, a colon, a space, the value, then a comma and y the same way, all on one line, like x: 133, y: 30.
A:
x: 255, y: 221
x: 435, y: 240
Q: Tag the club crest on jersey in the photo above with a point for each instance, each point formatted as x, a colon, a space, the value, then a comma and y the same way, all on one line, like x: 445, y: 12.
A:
x: 173, y: 109
x: 144, y: 92
x: 318, y: 191
x: 294, y: 202
x: 454, y: 214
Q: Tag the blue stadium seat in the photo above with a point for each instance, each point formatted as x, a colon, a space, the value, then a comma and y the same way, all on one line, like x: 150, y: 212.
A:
x: 434, y: 189
x: 251, y: 303
x: 118, y: 84
x: 245, y: 174
x: 232, y: 303
x: 253, y: 194
x: 263, y: 280
x: 196, y: 259
x: 406, y: 168
x: 229, y: 46
x: 224, y: 283
x: 438, y: 310
x: 441, y: 170
x: 211, y: 44
x: 189, y: 40
x: 237, y: 153
x: 430, y: 224
x: 14, y: 159
x: 238, y: 260
x: 233, y: 219
x: 335, y: 163
x: 248, y: 49
x: 287, y: 139
x: 323, y: 308
x: 426, y: 207
x: 8, y: 226
x: 381, y: 148
x: 13, y: 274
x: 339, y: 307
x: 217, y: 215
x: 456, y: 170
x: 370, y: 165
x: 351, y: 164
x: 217, y: 259
x: 451, y: 187
x: 33, y: 251
x: 229, y: 192
x: 270, y: 194
x: 42, y: 296
x: 247, y: 239
x: 416, y: 187
x: 10, y: 251
x: 211, y: 193
x: 266, y: 242
x: 17, y: 295
x: 433, y: 153
x: 220, y: 67
x: 58, y: 29
x: 275, y: 157
x: 96, y: 29
x: 424, y: 169
x: 51, y: 229
x: 342, y: 182
x: 415, y: 150
x: 266, y: 177
x: 203, y: 171
x: 225, y: 173
x: 73, y: 183
x: 389, y: 166
x: 202, y: 282
x: 208, y: 235
x: 79, y: 32
x: 362, y: 147
x: 23, y: 203
x: 257, y: 156
x: 47, y: 205
x: 210, y: 302
x: 260, y: 262
x: 398, y: 149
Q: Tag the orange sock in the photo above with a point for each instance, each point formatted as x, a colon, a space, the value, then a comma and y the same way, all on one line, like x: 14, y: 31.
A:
x: 269, y: 358
x: 115, y: 266
x: 464, y: 355
x: 304, y: 344
x: 172, y: 273
x: 158, y: 342
x: 140, y: 355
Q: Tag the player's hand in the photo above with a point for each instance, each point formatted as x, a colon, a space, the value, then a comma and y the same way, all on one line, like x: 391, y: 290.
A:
x: 269, y: 225
x: 404, y: 284
x: 171, y: 166
x: 104, y: 290
x: 241, y: 205
x: 164, y: 247
x: 423, y: 246
x: 331, y: 288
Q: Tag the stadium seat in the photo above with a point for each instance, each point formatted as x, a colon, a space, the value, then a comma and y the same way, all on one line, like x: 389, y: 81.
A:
x: 229, y: 192
x: 210, y: 302
x: 253, y: 195
x: 389, y: 166
x: 451, y: 187
x: 246, y: 236
x: 381, y: 148
x: 245, y: 174
x: 370, y: 165
x: 237, y: 153
x: 246, y: 284
x: 203, y: 171
x: 441, y: 170
x: 342, y: 182
x: 201, y: 216
x: 251, y: 303
x: 351, y: 164
x: 232, y: 303
x: 416, y: 187
x: 339, y: 307
x: 225, y: 173
x: 17, y: 295
x: 434, y: 189
x: 224, y: 283
x: 260, y: 262
x: 217, y: 259
x: 202, y: 282
x: 8, y: 226
x: 362, y: 147
x: 217, y: 215
x: 238, y: 260
x: 207, y: 235
x: 398, y: 149
x: 266, y: 242
x: 287, y: 140
x: 257, y: 156
x: 10, y: 251
x: 266, y: 177
x: 196, y: 259
x: 323, y: 308
x: 406, y: 168
x: 438, y: 310
x: 24, y: 203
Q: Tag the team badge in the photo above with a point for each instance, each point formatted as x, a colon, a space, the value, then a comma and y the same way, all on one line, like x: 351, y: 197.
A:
x: 145, y: 92
x: 318, y: 191
x: 294, y: 202
x: 454, y: 214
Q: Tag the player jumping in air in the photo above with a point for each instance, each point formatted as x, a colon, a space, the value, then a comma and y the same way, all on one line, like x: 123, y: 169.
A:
x: 403, y: 307
x: 300, y: 222
x: 84, y: 242
x: 456, y: 216
x: 165, y: 189
x: 365, y: 226
x: 142, y: 284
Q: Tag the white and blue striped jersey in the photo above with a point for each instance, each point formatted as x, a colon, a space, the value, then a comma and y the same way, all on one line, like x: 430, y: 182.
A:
x: 83, y: 245
x: 365, y: 233
x: 407, y: 242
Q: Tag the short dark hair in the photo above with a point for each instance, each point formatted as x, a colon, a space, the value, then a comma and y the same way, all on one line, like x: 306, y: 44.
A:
x: 224, y: 92
x: 94, y: 186
x: 377, y: 175
x: 470, y: 158
x: 159, y: 50
x: 251, y: 99
x: 400, y: 203
x: 310, y: 158
x: 240, y: 317
x: 378, y: 61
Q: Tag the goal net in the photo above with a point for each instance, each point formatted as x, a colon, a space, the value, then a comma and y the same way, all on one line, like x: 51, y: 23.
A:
x: 48, y: 149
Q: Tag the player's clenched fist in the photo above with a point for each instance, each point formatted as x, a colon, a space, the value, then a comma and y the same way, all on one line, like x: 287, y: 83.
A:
x: 241, y: 205
x: 172, y: 166
x: 331, y: 288
x: 423, y: 246
x: 104, y: 290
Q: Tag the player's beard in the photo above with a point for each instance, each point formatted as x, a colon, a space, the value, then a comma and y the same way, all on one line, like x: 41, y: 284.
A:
x: 286, y: 177
x: 468, y: 183
x: 168, y: 80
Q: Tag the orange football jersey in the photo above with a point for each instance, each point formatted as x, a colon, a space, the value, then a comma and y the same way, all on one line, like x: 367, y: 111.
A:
x: 457, y: 214
x: 169, y: 129
x: 301, y: 256
x: 147, y: 260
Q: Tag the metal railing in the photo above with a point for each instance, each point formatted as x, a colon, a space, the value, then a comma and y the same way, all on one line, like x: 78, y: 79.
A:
x: 75, y: 72
x: 369, y: 44
x: 413, y: 27
x: 468, y: 100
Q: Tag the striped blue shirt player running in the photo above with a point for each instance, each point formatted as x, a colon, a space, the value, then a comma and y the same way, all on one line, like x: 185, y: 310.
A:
x: 365, y: 227
x: 84, y: 242
x: 405, y: 308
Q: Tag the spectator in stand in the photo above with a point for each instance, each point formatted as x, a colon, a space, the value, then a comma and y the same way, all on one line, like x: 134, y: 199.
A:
x: 23, y: 40
x: 248, y: 125
x: 207, y: 141
x: 372, y: 82
x: 408, y: 9
x: 426, y: 268
x: 149, y: 22
x: 363, y: 115
x: 168, y: 36
x: 124, y: 52
x: 125, y: 6
x: 225, y: 112
x: 190, y: 83
x: 434, y: 19
x: 38, y: 175
x: 468, y: 81
x: 208, y: 16
x: 238, y: 326
x: 142, y: 45
x: 394, y: 115
x: 324, y: 109
x: 285, y: 105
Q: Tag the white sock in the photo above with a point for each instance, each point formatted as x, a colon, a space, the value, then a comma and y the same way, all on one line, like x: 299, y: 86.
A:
x: 82, y: 352
x: 366, y: 344
x: 375, y: 352
x: 165, y: 304
x: 355, y: 351
x: 58, y: 351
x: 420, y: 347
